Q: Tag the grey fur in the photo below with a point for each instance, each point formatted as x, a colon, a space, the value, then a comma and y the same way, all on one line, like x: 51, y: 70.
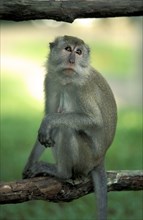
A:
x: 80, y: 118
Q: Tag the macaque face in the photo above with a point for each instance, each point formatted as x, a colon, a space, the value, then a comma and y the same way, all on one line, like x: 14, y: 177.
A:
x: 70, y: 57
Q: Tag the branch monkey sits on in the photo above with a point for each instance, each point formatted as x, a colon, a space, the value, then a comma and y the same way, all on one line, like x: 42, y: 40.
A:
x: 80, y: 119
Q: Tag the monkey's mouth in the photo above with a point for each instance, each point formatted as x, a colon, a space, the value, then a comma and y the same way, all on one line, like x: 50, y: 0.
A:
x: 69, y: 71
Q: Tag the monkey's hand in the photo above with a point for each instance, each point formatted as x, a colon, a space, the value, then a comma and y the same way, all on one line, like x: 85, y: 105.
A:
x: 44, y: 134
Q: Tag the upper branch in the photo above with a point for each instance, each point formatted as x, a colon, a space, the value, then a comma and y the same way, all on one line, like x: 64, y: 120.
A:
x: 20, y: 10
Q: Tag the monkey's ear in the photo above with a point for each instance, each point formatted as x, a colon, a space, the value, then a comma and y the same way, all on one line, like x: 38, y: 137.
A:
x: 52, y: 44
x: 88, y: 49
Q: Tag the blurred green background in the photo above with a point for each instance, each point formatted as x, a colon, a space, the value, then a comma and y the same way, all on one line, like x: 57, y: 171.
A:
x: 116, y: 52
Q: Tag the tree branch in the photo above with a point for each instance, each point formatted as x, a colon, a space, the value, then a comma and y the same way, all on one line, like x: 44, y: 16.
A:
x: 51, y: 189
x: 20, y: 10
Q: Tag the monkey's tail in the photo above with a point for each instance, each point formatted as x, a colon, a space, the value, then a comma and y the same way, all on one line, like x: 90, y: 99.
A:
x: 100, y: 187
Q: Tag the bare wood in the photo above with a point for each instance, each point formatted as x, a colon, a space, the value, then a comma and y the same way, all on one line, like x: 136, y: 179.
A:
x: 51, y: 189
x: 20, y: 10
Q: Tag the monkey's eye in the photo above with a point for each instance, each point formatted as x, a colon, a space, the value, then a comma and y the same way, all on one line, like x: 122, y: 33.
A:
x: 78, y: 51
x: 68, y: 48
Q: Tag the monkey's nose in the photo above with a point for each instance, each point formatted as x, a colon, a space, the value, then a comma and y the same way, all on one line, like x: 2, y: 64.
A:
x: 72, y: 58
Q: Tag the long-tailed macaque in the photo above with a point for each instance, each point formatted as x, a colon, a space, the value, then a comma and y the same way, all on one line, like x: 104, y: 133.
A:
x: 80, y: 119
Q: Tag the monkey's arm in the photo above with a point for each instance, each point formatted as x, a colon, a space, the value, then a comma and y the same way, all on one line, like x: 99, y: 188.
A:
x: 76, y: 121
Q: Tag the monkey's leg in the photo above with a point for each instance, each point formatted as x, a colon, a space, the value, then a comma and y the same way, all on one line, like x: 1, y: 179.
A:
x: 34, y: 156
x: 63, y: 150
x: 100, y: 184
x: 64, y: 153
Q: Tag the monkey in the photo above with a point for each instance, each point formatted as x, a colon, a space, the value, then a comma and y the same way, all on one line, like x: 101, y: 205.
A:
x: 80, y: 119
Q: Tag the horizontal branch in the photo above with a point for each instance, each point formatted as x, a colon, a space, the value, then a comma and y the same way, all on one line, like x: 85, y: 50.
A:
x: 20, y: 10
x: 51, y: 189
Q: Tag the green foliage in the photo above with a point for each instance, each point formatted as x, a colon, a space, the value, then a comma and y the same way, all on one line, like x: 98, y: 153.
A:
x: 31, y: 49
x: 105, y: 57
x: 127, y: 146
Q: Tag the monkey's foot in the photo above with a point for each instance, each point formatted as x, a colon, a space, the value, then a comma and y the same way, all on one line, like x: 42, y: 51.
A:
x: 26, y: 174
x: 40, y: 169
x: 26, y: 171
x: 78, y: 180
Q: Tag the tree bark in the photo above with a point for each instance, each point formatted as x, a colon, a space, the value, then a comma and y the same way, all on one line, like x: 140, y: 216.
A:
x: 20, y: 10
x: 52, y: 189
